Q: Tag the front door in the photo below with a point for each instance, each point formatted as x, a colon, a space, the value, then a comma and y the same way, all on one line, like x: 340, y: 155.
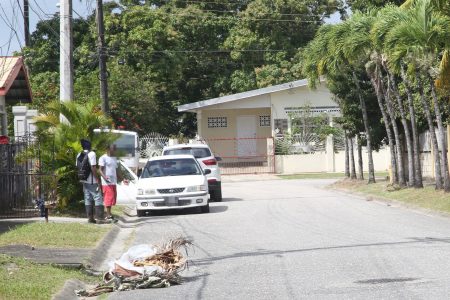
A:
x: 246, y: 135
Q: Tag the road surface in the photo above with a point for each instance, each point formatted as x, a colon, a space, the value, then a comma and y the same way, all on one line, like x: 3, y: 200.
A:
x: 293, y: 239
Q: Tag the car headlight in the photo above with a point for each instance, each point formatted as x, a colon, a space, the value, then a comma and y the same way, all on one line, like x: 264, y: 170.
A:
x: 196, y: 188
x: 150, y: 191
x: 140, y: 192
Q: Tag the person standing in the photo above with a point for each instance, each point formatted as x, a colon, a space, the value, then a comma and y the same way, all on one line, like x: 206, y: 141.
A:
x: 86, y: 163
x: 108, y: 171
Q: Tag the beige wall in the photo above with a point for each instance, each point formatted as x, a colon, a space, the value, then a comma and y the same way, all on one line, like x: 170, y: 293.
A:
x: 222, y: 140
x: 300, y: 97
x: 317, y: 162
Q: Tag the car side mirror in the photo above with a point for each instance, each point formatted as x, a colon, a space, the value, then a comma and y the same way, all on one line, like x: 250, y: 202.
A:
x: 218, y: 158
x: 207, y: 171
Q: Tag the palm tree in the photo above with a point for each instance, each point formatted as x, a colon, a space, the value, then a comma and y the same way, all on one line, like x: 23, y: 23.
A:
x: 352, y: 158
x: 387, y: 17
x: 82, y: 119
x: 329, y: 53
x: 419, y: 39
x: 360, y: 161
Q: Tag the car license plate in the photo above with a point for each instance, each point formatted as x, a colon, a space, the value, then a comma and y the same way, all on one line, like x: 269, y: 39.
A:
x: 172, y: 201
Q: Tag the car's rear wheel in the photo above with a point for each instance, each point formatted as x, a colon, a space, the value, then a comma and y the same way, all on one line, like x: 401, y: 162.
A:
x: 205, y: 209
x: 216, y: 195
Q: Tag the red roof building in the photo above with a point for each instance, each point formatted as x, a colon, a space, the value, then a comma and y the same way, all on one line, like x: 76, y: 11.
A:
x: 14, y: 86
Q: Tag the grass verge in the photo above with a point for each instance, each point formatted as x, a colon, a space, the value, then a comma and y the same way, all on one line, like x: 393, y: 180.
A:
x: 22, y: 279
x: 55, y: 235
x: 326, y: 175
x: 427, y: 198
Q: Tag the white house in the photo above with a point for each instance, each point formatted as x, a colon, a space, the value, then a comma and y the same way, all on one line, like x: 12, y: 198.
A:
x: 240, y: 127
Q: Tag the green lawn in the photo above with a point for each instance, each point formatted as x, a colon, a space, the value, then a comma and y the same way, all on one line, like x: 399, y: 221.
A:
x: 55, y: 235
x: 326, y: 175
x: 427, y: 198
x: 22, y: 279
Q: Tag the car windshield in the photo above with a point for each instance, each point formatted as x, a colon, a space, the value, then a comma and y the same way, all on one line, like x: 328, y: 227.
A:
x: 171, y: 167
x: 196, y: 152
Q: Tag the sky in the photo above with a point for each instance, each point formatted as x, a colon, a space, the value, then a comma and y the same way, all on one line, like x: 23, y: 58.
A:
x: 11, y: 19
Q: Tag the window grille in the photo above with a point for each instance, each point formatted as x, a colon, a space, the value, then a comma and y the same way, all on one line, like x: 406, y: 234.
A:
x: 264, y: 121
x: 217, y: 122
x: 281, y: 125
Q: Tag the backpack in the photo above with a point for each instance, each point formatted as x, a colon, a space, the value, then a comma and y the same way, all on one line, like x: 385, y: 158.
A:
x: 83, y: 166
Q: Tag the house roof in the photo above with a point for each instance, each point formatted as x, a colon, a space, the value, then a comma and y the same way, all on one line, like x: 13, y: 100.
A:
x: 234, y: 97
x: 14, y: 84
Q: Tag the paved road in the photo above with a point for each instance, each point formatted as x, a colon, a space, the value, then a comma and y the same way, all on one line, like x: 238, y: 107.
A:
x: 292, y: 239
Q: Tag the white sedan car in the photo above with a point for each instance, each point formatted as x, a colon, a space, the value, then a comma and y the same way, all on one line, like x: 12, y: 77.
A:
x: 172, y: 182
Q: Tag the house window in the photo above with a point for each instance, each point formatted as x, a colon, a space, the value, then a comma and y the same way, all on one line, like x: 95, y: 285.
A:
x: 264, y: 121
x: 217, y: 122
x: 281, y: 125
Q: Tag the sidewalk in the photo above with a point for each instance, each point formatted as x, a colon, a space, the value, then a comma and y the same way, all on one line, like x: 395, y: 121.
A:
x: 93, y: 260
x: 73, y: 257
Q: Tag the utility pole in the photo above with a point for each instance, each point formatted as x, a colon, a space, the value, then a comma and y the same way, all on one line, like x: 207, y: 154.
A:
x: 26, y: 22
x: 65, y: 51
x: 101, y: 48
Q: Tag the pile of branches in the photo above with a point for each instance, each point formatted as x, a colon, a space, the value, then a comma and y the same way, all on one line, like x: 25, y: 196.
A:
x: 168, y: 260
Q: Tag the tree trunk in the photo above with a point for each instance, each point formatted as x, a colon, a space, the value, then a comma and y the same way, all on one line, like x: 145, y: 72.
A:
x: 437, y: 112
x: 415, y: 134
x: 367, y: 130
x: 411, y: 179
x: 352, y: 159
x: 360, y: 160
x: 426, y: 108
x: 386, y: 122
x: 347, y: 167
x: 398, y: 143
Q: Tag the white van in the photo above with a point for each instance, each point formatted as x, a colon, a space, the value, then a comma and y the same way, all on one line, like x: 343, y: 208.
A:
x: 127, y: 144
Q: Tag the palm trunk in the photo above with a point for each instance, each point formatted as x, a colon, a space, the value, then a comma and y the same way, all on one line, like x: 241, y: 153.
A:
x: 398, y: 143
x: 347, y: 167
x: 415, y: 134
x: 426, y: 108
x: 367, y: 130
x: 411, y: 179
x: 352, y: 159
x: 437, y: 112
x: 386, y: 122
x: 360, y: 160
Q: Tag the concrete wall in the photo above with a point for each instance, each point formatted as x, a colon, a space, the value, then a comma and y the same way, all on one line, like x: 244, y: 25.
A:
x: 320, y: 162
x: 3, y: 120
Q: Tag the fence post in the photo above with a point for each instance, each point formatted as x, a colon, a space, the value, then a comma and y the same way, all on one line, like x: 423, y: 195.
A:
x: 329, y: 148
x: 270, y: 155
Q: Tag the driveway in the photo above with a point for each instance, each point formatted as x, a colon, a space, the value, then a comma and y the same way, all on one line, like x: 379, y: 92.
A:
x: 293, y: 239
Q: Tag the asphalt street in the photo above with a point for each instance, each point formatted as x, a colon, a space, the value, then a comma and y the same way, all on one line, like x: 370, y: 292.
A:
x: 293, y: 239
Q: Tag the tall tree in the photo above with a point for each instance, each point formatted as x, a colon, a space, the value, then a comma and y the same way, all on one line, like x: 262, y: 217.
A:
x: 419, y: 38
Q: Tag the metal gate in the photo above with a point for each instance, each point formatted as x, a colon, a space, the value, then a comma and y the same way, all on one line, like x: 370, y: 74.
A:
x: 243, y: 155
x: 25, y: 183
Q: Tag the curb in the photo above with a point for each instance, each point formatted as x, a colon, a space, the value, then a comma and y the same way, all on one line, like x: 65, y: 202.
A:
x: 68, y: 290
x: 389, y: 202
x: 95, y: 260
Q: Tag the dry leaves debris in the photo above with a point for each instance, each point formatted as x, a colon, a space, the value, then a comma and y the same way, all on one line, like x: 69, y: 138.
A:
x: 168, y: 261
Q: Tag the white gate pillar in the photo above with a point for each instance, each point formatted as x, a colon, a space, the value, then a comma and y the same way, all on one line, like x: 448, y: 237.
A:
x: 331, y: 166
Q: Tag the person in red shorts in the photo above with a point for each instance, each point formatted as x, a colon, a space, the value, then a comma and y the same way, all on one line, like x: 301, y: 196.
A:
x: 108, y: 172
